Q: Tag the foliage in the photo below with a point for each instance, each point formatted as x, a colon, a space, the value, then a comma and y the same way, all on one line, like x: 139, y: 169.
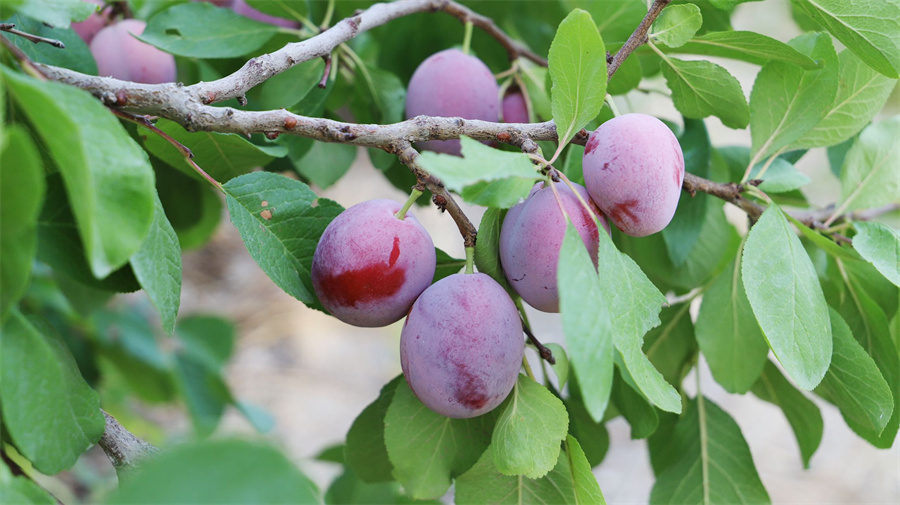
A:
x: 91, y: 206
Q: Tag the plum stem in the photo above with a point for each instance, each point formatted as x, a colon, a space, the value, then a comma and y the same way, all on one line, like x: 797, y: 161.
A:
x: 413, y: 196
x: 527, y: 367
x: 467, y: 38
x: 612, y: 105
x: 470, y: 260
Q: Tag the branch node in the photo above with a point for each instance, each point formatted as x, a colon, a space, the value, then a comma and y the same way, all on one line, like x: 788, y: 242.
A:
x: 290, y: 122
x: 272, y: 135
x: 242, y: 100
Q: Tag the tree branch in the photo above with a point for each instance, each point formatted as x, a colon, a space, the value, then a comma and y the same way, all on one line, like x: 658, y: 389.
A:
x: 125, y: 450
x: 11, y: 28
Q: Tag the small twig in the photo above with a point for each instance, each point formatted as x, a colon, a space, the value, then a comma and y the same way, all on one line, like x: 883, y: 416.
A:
x: 27, y: 65
x: 11, y: 28
x: 544, y: 351
x: 326, y: 72
x: 442, y: 197
x: 125, y: 450
x: 486, y: 24
x: 637, y: 38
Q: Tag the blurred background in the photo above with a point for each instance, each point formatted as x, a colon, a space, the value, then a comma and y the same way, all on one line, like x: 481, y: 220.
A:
x: 314, y: 374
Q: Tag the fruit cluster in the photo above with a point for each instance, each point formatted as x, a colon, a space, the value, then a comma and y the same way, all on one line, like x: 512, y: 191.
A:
x: 462, y: 343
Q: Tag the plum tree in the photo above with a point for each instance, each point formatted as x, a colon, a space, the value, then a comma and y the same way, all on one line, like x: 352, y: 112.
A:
x: 633, y: 170
x: 241, y: 7
x: 88, y: 28
x: 514, y: 107
x: 370, y: 265
x: 532, y: 235
x: 461, y: 346
x: 119, y: 54
x: 451, y: 83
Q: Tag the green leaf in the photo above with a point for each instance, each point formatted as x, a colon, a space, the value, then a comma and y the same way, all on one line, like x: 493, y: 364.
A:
x: 869, y: 28
x: 286, y: 9
x: 348, y: 489
x: 671, y: 345
x: 802, y: 414
x: 205, y: 345
x: 382, y: 98
x: 446, y: 265
x: 218, y: 472
x: 536, y: 82
x: 788, y: 101
x: 570, y: 482
x: 202, y: 30
x: 702, y: 88
x: 634, y: 408
x: 110, y: 185
x: 786, y: 298
x: 22, y: 189
x: 729, y: 336
x: 593, y: 434
x: 615, y: 19
x: 880, y: 246
x: 626, y: 78
x: 531, y: 424
x: 855, y: 384
x: 561, y: 367
x: 325, y: 163
x: 711, y: 462
x: 50, y: 413
x: 222, y: 155
x: 676, y: 24
x: 157, y: 266
x: 869, y: 175
x: 862, y: 92
x: 58, y: 13
x: 487, y: 247
x: 428, y: 449
x: 76, y: 55
x: 482, y: 164
x: 366, y: 453
x: 746, y: 46
x: 587, y: 322
x: 780, y: 176
x: 281, y: 235
x: 682, y: 233
x: 287, y: 88
x: 21, y: 489
x: 578, y: 71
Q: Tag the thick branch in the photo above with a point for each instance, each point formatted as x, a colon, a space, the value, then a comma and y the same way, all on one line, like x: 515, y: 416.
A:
x: 637, y: 38
x: 125, y: 450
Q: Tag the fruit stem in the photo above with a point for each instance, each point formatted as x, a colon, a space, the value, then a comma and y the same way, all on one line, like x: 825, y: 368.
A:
x: 413, y: 196
x: 467, y: 38
x: 612, y: 105
x: 470, y: 260
x: 528, y: 368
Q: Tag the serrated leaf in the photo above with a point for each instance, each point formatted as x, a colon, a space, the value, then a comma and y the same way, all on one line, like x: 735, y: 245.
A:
x: 578, y: 71
x: 880, y: 246
x: 222, y: 155
x: 861, y: 93
x: 428, y: 449
x: 676, y: 24
x: 802, y: 414
x: 365, y: 452
x: 784, y: 292
x: 869, y: 28
x: 587, y: 322
x: 869, y: 175
x: 702, y: 88
x: 157, y: 266
x: 58, y: 13
x: 76, y: 55
x: 109, y: 185
x: 728, y: 334
x: 218, y: 472
x: 281, y: 235
x: 711, y: 461
x: 855, y: 384
x: 788, y: 101
x: 746, y: 46
x: 22, y: 190
x: 202, y: 30
x: 481, y: 164
x: 587, y: 489
x: 531, y: 424
x: 49, y: 412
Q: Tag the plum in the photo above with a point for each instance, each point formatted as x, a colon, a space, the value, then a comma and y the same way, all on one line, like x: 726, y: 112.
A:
x: 452, y: 84
x: 241, y: 7
x: 88, y: 28
x: 461, y: 346
x: 532, y: 235
x: 119, y: 54
x: 515, y: 110
x: 633, y: 170
x: 369, y: 266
